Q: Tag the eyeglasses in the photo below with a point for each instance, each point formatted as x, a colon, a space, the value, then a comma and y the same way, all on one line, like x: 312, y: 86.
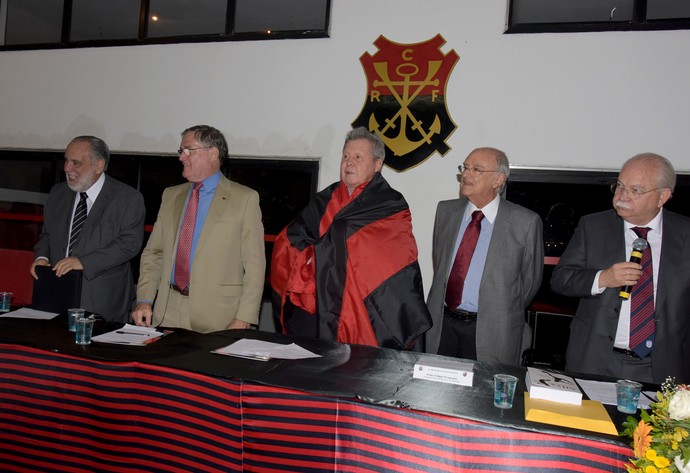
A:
x: 464, y: 168
x: 189, y: 151
x: 634, y: 192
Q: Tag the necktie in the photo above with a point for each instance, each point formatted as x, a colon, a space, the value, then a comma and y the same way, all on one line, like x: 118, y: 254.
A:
x: 456, y: 281
x: 642, y: 304
x: 184, y: 243
x: 77, y: 222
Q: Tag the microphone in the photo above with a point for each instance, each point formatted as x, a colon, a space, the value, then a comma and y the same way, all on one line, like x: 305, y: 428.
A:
x: 639, y: 245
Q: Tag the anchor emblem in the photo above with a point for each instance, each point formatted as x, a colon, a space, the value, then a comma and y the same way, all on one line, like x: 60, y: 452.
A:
x: 400, y: 144
x: 406, y: 99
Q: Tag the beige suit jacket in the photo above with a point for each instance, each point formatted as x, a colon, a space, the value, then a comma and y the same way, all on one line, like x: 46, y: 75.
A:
x: 228, y: 268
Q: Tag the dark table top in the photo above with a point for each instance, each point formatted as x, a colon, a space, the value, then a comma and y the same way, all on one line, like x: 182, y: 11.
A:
x: 373, y: 375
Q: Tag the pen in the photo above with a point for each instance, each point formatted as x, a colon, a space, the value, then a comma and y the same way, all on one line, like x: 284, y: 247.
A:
x: 132, y: 333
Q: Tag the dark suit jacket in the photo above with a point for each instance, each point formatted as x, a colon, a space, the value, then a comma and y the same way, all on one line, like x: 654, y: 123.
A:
x: 112, y: 235
x: 511, y: 278
x: 598, y: 243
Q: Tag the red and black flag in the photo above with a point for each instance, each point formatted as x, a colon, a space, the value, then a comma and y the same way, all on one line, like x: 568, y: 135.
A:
x: 346, y: 269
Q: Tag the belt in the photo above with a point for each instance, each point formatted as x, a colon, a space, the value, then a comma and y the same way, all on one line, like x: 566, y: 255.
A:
x: 184, y: 292
x: 460, y: 314
x: 626, y: 352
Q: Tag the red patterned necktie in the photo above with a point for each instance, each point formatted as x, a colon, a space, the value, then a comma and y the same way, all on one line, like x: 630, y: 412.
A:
x: 184, y: 243
x: 456, y: 281
x: 642, y: 304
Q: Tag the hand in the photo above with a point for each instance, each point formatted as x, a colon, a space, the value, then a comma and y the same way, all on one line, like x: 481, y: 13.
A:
x: 66, y: 265
x: 620, y: 274
x: 38, y: 262
x: 142, y: 314
x: 239, y: 325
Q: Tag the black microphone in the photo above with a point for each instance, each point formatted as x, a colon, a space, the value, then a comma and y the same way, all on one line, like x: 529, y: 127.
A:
x: 639, y: 245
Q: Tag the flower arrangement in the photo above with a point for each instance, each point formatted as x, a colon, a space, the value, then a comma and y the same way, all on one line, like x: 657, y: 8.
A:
x: 661, y: 440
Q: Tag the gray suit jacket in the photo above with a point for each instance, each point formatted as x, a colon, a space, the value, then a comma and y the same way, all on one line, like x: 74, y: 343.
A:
x: 112, y: 235
x: 227, y: 279
x: 511, y: 278
x: 598, y: 243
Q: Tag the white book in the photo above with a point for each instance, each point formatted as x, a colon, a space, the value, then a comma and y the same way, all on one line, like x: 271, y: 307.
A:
x: 552, y: 386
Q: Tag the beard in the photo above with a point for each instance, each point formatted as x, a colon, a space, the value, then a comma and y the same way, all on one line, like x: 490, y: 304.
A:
x: 82, y: 182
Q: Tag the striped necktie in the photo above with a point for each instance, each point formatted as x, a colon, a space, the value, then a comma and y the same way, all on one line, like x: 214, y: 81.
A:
x: 77, y: 222
x: 642, y: 304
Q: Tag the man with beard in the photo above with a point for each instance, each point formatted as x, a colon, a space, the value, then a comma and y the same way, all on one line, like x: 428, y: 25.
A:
x: 95, y: 224
x: 632, y: 320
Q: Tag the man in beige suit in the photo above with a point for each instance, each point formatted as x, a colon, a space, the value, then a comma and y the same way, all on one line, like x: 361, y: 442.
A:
x: 219, y: 283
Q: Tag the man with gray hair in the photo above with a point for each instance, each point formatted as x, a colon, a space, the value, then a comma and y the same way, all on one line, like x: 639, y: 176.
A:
x: 204, y: 264
x: 488, y: 257
x: 346, y: 268
x: 633, y: 317
x: 95, y: 224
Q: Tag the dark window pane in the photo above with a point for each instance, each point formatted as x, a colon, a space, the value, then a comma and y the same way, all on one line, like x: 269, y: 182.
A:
x: 105, y: 19
x: 186, y: 17
x: 253, y: 16
x: 30, y: 174
x: 33, y: 21
x: 570, y: 11
x: 667, y: 9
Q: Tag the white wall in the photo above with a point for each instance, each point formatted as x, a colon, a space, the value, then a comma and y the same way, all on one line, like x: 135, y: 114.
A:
x: 586, y: 100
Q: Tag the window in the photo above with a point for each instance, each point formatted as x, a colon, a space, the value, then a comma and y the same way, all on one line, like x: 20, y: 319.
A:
x: 186, y: 17
x: 553, y: 16
x: 37, y: 24
x: 116, y: 19
x: 33, y: 21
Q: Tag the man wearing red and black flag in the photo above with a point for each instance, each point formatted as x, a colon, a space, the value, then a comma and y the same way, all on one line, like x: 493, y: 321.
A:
x: 346, y: 268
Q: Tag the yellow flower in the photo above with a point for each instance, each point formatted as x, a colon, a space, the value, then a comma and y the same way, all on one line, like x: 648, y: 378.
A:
x: 661, y: 462
x: 651, y: 469
x: 664, y: 470
x: 650, y: 455
x: 642, y: 438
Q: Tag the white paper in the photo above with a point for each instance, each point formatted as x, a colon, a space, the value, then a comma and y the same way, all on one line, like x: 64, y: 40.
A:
x: 129, y: 335
x: 606, y: 393
x: 28, y: 313
x: 264, y: 351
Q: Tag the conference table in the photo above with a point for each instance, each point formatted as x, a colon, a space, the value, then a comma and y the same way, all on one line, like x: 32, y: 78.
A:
x: 174, y: 406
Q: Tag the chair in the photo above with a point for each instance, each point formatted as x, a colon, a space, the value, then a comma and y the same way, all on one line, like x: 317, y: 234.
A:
x: 14, y: 275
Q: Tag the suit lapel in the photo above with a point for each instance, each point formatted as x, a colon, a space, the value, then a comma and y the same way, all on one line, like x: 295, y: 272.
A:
x: 497, y: 244
x: 65, y: 211
x: 98, y: 207
x: 177, y: 209
x: 215, y: 211
x: 671, y: 249
x: 449, y: 233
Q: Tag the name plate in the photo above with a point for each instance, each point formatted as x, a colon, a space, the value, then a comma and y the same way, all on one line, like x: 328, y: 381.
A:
x: 444, y: 371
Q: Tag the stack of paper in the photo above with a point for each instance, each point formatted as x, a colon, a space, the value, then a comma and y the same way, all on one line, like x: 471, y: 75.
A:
x: 552, y: 386
x: 131, y: 335
x: 260, y: 350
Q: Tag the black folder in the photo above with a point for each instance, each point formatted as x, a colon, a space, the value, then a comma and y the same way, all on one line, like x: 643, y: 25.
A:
x: 56, y: 294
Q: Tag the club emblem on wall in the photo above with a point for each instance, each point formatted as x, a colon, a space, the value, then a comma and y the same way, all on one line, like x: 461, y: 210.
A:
x: 405, y: 105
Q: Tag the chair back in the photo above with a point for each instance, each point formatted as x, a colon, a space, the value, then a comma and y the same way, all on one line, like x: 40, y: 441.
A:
x: 14, y: 275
